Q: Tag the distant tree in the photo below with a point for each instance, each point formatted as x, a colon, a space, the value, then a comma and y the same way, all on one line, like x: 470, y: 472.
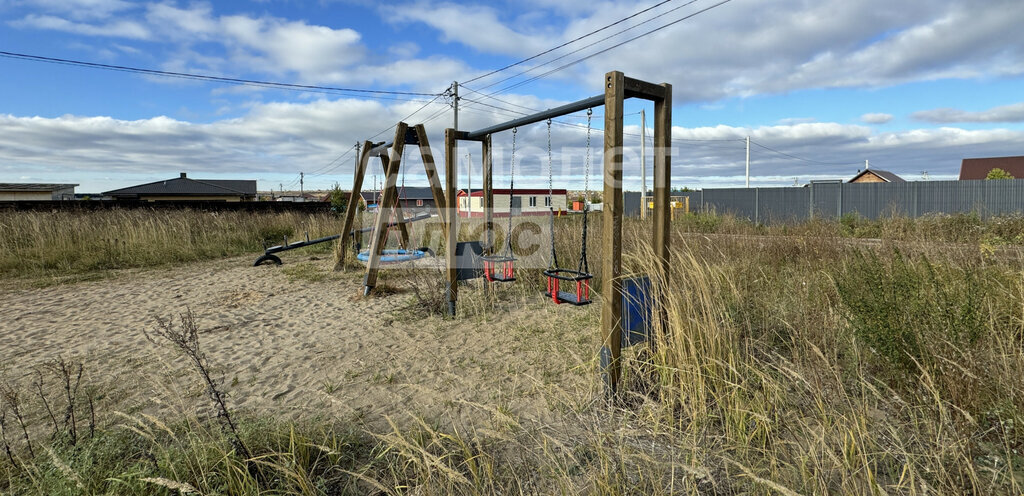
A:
x: 338, y: 199
x: 998, y: 173
x: 684, y: 189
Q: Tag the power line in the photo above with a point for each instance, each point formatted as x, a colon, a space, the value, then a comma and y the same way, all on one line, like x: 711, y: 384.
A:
x: 432, y: 100
x: 545, y: 52
x: 204, y: 77
x: 752, y: 142
x: 327, y: 169
x: 606, y: 38
x: 617, y: 45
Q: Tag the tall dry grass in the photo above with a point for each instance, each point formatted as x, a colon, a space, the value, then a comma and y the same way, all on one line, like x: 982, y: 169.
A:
x: 813, y: 367
x: 60, y: 244
x: 798, y: 364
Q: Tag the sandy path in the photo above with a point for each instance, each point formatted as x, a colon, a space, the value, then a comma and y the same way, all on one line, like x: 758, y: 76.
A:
x: 294, y: 347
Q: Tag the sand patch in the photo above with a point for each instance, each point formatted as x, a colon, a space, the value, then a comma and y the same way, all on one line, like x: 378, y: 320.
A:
x: 297, y: 346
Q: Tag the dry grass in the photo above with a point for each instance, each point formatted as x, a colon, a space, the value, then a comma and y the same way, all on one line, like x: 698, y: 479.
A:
x: 55, y: 246
x: 798, y: 363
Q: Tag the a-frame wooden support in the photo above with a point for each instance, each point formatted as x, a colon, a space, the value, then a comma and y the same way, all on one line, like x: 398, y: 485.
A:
x: 392, y: 163
x: 390, y: 194
x: 354, y: 197
x: 403, y: 241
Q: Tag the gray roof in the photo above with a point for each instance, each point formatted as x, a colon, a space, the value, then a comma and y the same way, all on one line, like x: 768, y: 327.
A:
x: 407, y: 193
x: 34, y: 186
x: 888, y: 176
x: 184, y: 186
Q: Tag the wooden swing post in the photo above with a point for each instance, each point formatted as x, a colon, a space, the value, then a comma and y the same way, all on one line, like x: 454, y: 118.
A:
x: 353, y: 203
x: 389, y: 196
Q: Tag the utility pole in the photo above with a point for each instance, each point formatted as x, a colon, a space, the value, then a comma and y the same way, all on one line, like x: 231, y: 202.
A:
x: 748, y: 161
x: 469, y: 191
x: 355, y: 169
x: 455, y: 126
x: 643, y: 164
x: 455, y: 105
x: 302, y: 186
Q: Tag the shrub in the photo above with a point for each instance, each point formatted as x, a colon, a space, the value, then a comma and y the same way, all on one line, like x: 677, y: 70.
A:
x: 909, y: 312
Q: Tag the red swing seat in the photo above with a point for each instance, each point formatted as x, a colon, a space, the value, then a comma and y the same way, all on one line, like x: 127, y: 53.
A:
x: 580, y: 279
x: 499, y: 268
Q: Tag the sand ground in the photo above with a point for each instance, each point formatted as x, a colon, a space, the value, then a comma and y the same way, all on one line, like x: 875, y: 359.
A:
x: 300, y: 341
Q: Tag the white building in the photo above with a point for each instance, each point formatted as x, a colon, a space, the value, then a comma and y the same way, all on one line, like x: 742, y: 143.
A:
x: 522, y: 202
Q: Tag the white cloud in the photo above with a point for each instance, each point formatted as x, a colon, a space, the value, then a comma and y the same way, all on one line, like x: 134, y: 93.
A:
x: 786, y: 45
x: 876, y: 118
x: 113, y: 29
x: 1004, y: 113
x: 475, y: 26
x: 81, y: 9
x: 289, y: 137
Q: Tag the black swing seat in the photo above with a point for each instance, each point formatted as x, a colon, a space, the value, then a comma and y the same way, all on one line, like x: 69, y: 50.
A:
x: 498, y: 268
x: 581, y: 279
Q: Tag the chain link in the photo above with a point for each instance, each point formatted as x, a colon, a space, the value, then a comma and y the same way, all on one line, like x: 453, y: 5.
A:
x: 586, y: 170
x: 551, y: 202
x: 551, y: 180
x: 511, y: 194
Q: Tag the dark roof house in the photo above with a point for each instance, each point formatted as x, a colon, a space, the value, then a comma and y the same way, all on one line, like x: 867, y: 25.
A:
x: 978, y: 168
x: 185, y: 188
x: 876, y: 176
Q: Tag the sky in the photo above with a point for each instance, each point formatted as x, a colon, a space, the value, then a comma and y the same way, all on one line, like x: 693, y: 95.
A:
x: 819, y: 86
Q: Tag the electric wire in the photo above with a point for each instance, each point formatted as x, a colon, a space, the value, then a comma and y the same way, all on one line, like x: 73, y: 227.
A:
x: 606, y: 38
x: 752, y: 142
x: 325, y: 170
x: 617, y: 45
x: 545, y: 52
x: 206, y: 77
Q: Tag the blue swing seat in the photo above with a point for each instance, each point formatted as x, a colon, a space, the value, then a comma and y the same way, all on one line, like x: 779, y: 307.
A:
x: 394, y: 256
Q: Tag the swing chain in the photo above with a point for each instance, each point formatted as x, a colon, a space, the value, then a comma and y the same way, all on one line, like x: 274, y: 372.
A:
x: 511, y: 194
x: 551, y: 202
x: 586, y: 170
x: 582, y: 265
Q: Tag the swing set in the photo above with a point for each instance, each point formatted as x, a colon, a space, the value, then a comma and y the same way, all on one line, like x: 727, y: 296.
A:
x: 500, y: 266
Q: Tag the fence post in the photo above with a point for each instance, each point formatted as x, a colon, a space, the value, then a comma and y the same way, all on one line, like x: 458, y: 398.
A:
x: 757, y: 206
x: 839, y: 215
x: 811, y: 203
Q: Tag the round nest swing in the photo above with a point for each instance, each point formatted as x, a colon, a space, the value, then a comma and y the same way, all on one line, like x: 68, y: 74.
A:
x: 394, y: 256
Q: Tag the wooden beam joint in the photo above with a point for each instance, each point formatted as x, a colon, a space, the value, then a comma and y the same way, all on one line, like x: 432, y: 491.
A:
x: 635, y: 88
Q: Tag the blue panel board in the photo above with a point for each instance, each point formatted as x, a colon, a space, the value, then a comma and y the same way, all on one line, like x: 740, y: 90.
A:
x: 637, y: 310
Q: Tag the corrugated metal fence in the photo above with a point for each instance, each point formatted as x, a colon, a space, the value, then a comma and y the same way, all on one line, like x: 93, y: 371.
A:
x: 870, y: 200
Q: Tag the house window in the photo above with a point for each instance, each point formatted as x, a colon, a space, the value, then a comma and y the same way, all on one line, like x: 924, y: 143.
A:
x: 533, y: 201
x: 419, y: 203
x: 547, y: 201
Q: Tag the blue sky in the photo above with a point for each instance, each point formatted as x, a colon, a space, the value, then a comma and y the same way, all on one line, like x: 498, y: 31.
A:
x: 912, y: 86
